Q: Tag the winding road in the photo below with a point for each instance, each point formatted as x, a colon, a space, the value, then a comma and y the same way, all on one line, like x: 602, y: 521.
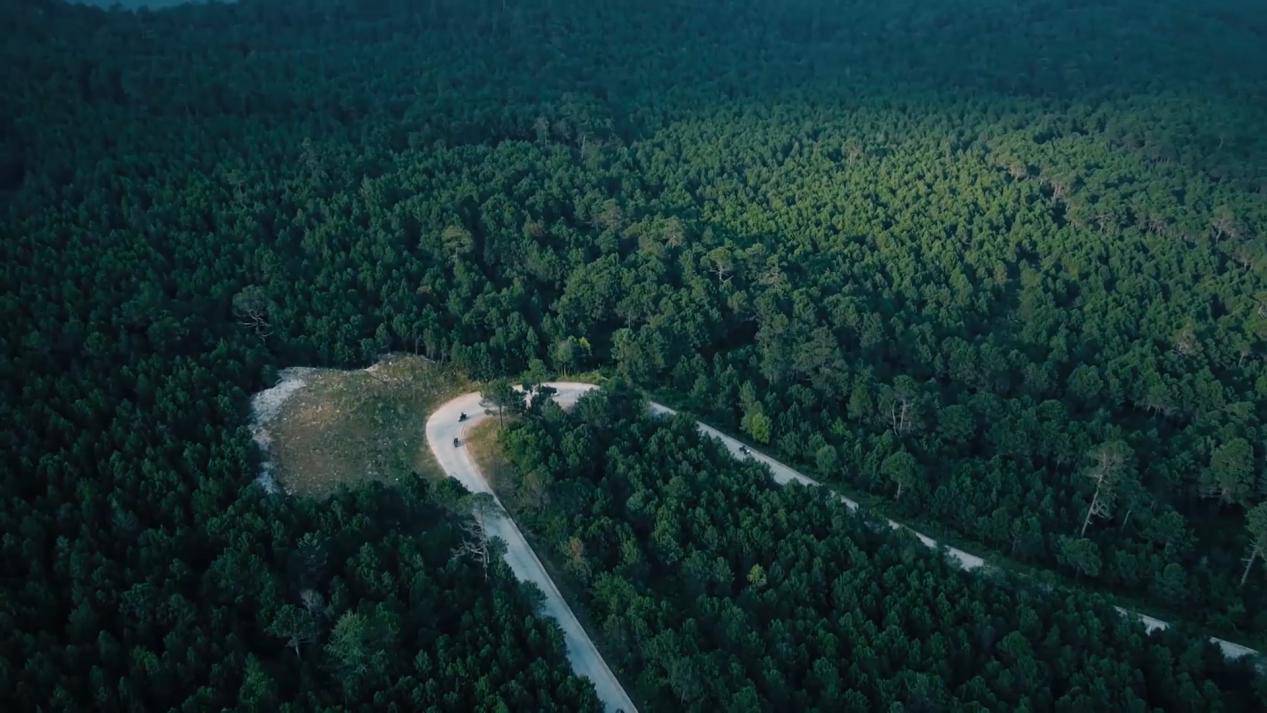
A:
x: 443, y: 426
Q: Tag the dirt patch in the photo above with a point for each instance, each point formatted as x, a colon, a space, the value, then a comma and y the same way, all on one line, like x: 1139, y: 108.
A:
x: 265, y: 406
x: 324, y: 428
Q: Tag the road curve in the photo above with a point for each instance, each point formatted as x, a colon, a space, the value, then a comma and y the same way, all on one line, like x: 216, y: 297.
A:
x: 443, y: 426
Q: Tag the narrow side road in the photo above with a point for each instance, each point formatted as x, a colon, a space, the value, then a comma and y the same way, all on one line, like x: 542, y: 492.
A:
x: 965, y: 560
x: 443, y: 426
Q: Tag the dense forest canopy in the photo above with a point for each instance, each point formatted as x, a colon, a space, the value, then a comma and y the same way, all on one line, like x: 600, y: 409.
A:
x: 718, y: 589
x: 998, y: 264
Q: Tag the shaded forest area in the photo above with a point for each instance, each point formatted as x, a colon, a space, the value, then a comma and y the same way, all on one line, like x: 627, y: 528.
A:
x: 1000, y: 263
x: 721, y: 590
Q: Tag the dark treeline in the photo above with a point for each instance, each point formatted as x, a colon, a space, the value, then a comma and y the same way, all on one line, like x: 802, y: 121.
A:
x: 720, y: 590
x: 271, y: 605
x: 1000, y: 262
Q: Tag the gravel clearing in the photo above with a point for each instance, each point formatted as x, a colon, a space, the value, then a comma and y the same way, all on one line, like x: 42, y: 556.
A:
x: 265, y: 406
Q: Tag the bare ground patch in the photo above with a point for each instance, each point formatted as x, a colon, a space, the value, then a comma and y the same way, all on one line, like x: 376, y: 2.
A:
x: 349, y: 427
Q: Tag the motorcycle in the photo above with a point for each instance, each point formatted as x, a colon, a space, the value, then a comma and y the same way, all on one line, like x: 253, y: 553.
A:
x: 462, y: 416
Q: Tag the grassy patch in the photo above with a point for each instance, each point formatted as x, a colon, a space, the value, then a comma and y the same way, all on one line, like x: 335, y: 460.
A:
x: 483, y: 443
x: 349, y: 427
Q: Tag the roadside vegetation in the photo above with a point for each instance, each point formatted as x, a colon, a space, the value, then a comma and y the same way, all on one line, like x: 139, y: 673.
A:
x: 483, y: 442
x: 487, y: 450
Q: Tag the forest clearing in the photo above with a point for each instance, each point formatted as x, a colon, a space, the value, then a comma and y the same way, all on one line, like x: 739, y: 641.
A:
x: 329, y: 428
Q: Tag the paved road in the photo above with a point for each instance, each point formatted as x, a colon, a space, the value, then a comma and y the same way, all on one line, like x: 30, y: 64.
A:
x: 443, y: 427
